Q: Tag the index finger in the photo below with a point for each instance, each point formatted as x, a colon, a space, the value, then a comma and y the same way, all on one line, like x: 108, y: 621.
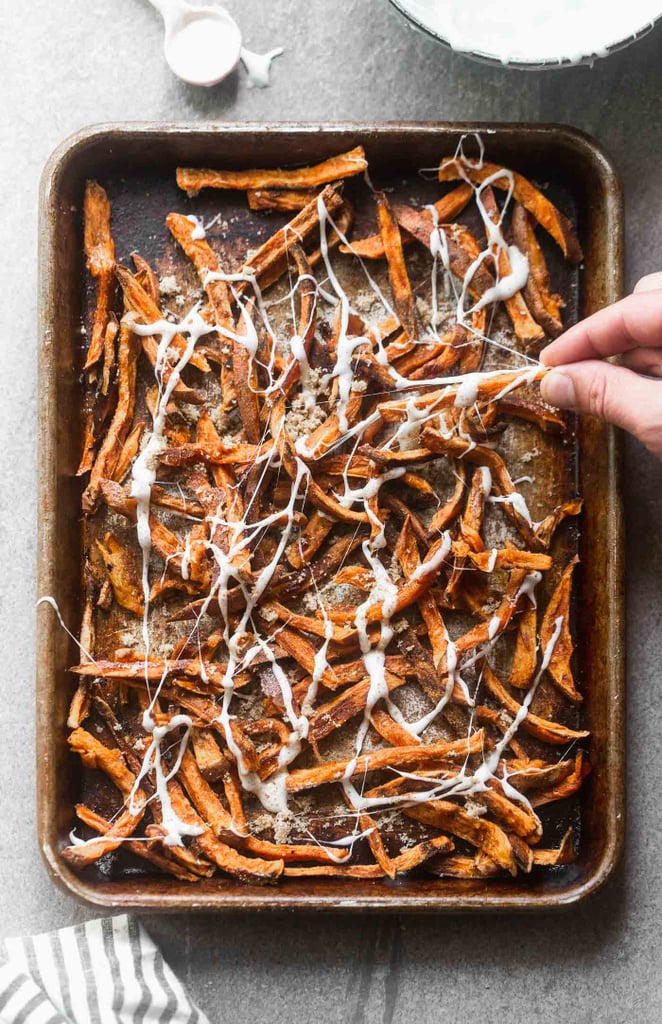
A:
x: 634, y: 322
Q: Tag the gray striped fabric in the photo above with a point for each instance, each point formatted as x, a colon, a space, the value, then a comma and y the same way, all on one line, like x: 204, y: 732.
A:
x: 102, y: 972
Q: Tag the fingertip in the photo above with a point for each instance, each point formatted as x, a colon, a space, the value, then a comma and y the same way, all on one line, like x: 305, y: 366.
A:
x: 649, y: 283
x: 558, y: 389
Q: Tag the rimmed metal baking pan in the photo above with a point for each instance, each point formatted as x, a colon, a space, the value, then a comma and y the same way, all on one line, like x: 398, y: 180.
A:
x: 144, y: 157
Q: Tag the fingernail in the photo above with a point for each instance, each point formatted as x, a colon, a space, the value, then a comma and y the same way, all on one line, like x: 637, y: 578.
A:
x: 558, y: 389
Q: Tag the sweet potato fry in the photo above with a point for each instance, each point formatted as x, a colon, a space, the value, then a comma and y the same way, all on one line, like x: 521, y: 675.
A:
x: 390, y: 730
x: 524, y: 658
x: 542, y: 729
x: 418, y: 223
x: 210, y: 759
x: 398, y: 757
x: 408, y: 860
x: 560, y: 667
x: 122, y: 568
x: 564, y: 854
x: 336, y: 871
x: 206, y: 263
x: 508, y: 558
x: 251, y: 869
x: 351, y: 702
x: 533, y: 410
x: 548, y: 527
x: 139, y: 302
x: 100, y: 253
x: 108, y: 354
x: 278, y: 199
x: 270, y: 260
x: 540, y: 208
x: 315, y: 532
x: 526, y: 329
x: 472, y: 518
x: 479, y: 832
x: 146, y: 277
x: 80, y: 702
x: 95, y: 755
x: 545, y: 306
x: 461, y: 866
x: 307, y: 320
x: 128, y: 453
x: 89, y: 444
x: 403, y: 296
x: 137, y: 848
x: 568, y: 786
x: 448, y: 512
x: 344, y: 165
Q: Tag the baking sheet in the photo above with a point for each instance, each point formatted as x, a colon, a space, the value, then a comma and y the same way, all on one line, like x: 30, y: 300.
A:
x: 141, y: 195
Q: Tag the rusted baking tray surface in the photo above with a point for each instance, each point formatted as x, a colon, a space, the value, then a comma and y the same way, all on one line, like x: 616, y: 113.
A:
x: 136, y: 165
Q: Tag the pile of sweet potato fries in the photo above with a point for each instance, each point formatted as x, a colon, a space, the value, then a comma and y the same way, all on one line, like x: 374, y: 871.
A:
x: 322, y: 632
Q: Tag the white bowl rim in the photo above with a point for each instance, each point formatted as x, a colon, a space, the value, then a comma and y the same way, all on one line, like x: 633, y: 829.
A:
x: 533, y: 65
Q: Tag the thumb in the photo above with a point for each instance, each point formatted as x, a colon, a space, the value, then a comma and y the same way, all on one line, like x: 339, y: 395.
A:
x: 613, y: 393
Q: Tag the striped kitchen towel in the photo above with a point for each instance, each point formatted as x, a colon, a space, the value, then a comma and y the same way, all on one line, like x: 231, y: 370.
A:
x: 101, y: 972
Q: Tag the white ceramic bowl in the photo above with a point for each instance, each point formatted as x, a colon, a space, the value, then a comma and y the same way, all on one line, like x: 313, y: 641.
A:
x: 627, y: 22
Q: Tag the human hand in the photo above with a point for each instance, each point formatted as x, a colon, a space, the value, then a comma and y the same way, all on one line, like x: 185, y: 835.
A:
x: 627, y: 395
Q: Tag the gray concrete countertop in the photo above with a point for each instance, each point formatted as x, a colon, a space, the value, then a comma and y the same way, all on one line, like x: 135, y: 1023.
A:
x: 71, y: 63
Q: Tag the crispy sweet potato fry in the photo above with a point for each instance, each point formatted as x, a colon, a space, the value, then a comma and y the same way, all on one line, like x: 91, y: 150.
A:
x: 89, y: 444
x: 108, y: 354
x: 479, y: 832
x: 315, y: 532
x: 100, y: 253
x: 545, y: 306
x: 544, y: 212
x: 403, y: 296
x: 565, y: 853
x: 535, y: 411
x: 210, y: 759
x: 128, y: 453
x: 95, y: 755
x: 225, y: 857
x: 461, y: 866
x: 472, y: 518
x: 270, y: 260
x: 146, y: 277
x: 398, y: 757
x: 447, y: 512
x: 408, y: 860
x: 80, y: 702
x: 568, y: 785
x: 307, y: 320
x: 206, y: 262
x: 278, y: 198
x: 560, y: 667
x: 418, y: 223
x: 508, y: 558
x: 524, y: 658
x: 122, y: 569
x: 351, y: 702
x: 139, y: 302
x: 144, y: 850
x: 526, y: 329
x: 344, y: 165
x: 548, y: 732
x: 548, y: 527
